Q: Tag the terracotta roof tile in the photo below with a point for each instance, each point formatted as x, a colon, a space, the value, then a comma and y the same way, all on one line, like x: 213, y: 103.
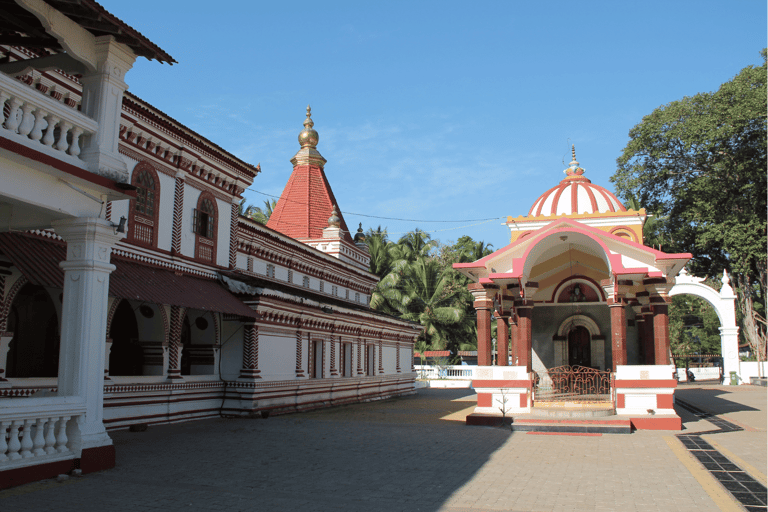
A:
x: 304, y: 207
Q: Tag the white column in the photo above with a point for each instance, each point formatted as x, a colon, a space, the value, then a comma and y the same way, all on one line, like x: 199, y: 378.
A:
x: 729, y: 331
x: 103, y: 101
x: 5, y: 344
x: 84, y: 319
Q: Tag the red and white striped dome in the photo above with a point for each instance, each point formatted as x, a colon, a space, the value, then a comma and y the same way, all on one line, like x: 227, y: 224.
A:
x: 574, y: 195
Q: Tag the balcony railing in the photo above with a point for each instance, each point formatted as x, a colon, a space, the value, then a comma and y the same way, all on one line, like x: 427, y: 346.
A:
x: 41, y: 122
x: 39, y: 430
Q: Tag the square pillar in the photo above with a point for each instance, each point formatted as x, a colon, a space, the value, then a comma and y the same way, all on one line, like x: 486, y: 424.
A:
x: 250, y: 368
x: 661, y: 332
x: 502, y: 343
x: 103, y: 102
x: 483, y: 304
x: 618, y: 332
x: 84, y: 320
x: 524, y: 335
x: 513, y: 342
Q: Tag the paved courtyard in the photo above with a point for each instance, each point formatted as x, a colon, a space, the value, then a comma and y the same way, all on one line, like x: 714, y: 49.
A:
x: 412, y: 454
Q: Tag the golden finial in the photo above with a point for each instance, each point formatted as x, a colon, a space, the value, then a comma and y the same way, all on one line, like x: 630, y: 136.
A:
x: 573, y: 170
x: 308, y: 136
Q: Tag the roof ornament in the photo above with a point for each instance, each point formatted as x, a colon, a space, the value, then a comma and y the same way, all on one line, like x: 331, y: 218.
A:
x: 334, y: 221
x: 574, y: 169
x: 308, y: 136
x: 360, y: 236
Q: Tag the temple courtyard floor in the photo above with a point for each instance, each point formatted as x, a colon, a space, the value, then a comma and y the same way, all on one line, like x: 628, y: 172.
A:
x: 415, y: 454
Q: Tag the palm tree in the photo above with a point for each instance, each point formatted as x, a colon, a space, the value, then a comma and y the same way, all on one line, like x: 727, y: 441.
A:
x: 258, y: 214
x: 413, y: 245
x: 378, y: 248
x: 418, y: 291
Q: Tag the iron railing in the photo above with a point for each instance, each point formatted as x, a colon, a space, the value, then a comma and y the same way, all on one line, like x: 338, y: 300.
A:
x: 572, y: 384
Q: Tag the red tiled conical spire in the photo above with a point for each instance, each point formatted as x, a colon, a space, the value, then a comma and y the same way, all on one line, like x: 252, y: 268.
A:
x: 307, y: 201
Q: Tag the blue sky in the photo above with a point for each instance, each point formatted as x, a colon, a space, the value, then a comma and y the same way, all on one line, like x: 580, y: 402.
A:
x: 450, y: 111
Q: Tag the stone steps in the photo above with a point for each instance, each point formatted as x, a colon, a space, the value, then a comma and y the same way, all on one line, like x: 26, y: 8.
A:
x: 609, y: 425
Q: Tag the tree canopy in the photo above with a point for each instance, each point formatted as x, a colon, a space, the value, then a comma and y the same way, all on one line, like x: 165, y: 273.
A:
x: 699, y: 164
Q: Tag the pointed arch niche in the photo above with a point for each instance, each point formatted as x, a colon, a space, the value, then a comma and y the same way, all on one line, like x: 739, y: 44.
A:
x: 596, y: 340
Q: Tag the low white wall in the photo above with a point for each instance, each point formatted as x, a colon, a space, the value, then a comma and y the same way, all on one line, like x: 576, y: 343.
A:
x: 709, y: 373
x: 748, y: 369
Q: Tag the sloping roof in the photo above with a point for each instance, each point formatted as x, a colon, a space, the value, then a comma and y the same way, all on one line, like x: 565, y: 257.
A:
x: 305, y: 205
x: 433, y: 353
x: 87, y: 13
x: 38, y: 259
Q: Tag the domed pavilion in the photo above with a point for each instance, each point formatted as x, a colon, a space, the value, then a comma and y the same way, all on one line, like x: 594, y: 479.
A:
x: 577, y: 297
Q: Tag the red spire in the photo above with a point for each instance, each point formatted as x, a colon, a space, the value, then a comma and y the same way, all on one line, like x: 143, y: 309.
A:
x: 307, y: 201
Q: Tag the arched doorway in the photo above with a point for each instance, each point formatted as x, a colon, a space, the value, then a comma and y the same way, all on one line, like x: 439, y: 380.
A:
x: 34, y: 350
x: 126, y: 356
x: 579, y: 352
x: 724, y: 303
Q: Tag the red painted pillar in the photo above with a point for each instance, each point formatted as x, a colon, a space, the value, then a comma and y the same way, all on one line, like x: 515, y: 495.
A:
x: 650, y: 358
x: 483, y: 336
x: 524, y: 326
x: 618, y: 333
x: 661, y: 333
x: 513, y: 330
x: 483, y: 305
x: 502, y: 343
x: 640, y: 322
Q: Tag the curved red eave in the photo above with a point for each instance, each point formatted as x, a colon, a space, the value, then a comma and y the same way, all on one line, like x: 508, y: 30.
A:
x: 564, y: 225
x: 305, y: 205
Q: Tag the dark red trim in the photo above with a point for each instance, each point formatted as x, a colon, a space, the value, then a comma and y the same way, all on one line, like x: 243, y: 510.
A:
x: 20, y: 476
x: 97, y: 459
x: 77, y: 172
x: 619, y: 400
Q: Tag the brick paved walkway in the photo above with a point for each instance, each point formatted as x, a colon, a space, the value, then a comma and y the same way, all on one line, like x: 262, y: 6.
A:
x: 409, y: 454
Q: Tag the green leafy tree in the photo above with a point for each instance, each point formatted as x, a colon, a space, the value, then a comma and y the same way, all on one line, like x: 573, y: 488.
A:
x: 693, y: 326
x: 654, y: 232
x: 700, y: 164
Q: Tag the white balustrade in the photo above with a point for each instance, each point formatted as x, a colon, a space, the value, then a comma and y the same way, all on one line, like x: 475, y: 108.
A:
x: 41, y: 122
x: 458, y: 372
x: 39, y: 430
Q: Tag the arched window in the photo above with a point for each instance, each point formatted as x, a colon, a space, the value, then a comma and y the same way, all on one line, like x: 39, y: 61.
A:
x: 144, y: 209
x: 204, y: 226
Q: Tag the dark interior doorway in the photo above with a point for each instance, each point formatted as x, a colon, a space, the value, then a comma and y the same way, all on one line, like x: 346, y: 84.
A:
x: 127, y: 356
x: 579, y: 351
x: 34, y: 350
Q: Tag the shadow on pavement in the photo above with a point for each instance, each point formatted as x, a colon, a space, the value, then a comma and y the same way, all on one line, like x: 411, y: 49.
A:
x: 408, y: 453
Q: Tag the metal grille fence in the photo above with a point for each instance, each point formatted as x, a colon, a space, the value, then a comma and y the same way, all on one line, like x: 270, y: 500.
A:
x: 572, y: 384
